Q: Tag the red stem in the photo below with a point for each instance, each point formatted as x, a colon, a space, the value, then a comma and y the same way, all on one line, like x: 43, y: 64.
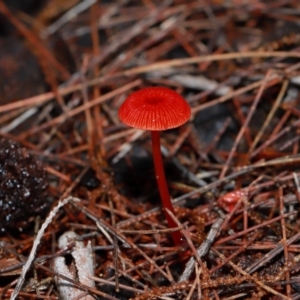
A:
x: 162, y: 186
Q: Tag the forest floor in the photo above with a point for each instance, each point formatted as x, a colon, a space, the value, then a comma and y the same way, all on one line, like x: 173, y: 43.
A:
x: 232, y: 170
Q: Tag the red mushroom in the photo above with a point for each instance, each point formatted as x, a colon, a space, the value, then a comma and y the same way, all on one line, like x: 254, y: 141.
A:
x: 230, y: 199
x: 156, y: 109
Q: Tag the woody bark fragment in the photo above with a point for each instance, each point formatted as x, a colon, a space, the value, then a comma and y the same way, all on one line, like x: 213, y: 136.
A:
x: 81, y: 268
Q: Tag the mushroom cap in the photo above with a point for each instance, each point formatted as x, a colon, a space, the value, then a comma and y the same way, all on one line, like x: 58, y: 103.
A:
x: 154, y: 108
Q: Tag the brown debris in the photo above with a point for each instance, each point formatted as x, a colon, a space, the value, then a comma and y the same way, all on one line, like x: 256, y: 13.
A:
x: 233, y: 170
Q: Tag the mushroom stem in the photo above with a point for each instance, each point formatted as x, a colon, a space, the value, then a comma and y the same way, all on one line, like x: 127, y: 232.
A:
x: 162, y: 185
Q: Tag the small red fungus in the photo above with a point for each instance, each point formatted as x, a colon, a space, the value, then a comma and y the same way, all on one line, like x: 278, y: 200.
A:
x: 230, y: 199
x: 156, y: 109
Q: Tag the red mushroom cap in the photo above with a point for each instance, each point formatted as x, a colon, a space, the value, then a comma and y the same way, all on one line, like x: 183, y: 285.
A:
x: 154, y: 108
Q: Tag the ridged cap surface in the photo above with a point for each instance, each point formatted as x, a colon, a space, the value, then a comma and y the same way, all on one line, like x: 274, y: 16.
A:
x: 154, y: 108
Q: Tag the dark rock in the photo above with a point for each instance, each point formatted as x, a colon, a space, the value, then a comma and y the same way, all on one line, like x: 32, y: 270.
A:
x: 23, y: 186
